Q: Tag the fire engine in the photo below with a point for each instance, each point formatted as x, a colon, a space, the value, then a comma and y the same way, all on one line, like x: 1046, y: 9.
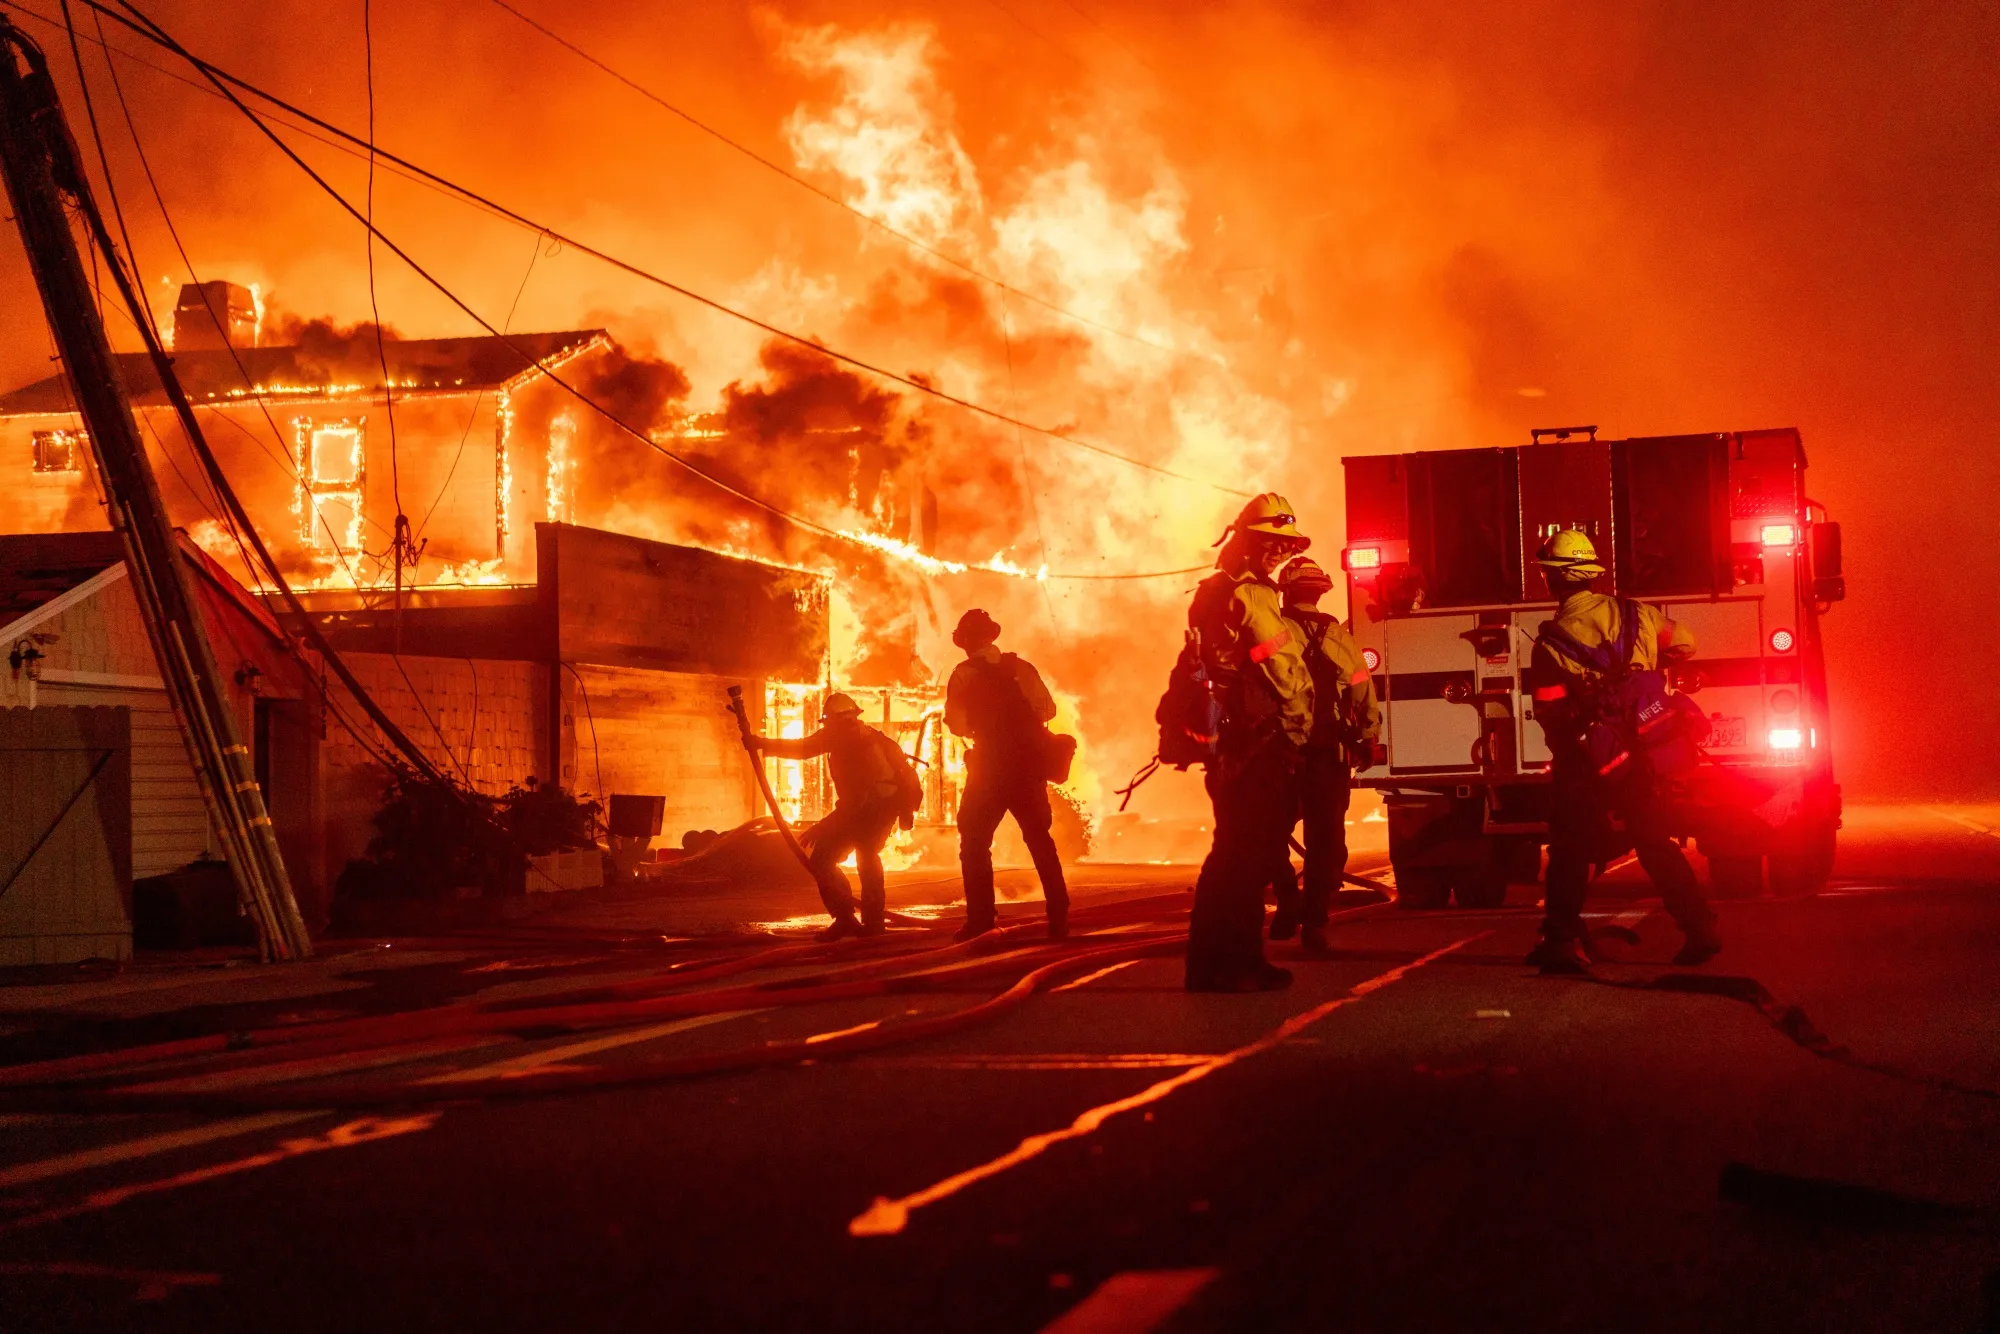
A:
x: 1445, y: 601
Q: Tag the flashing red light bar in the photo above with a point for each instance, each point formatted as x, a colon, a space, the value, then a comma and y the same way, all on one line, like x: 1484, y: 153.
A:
x: 1781, y: 534
x: 1361, y: 558
x: 1782, y: 641
x: 1786, y: 738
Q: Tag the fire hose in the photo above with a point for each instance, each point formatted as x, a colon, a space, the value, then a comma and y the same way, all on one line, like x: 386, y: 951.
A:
x: 764, y: 779
x: 294, y: 1045
x: 298, y: 1059
x: 1360, y: 881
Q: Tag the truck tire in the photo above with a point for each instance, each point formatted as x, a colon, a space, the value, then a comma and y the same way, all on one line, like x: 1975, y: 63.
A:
x: 1735, y: 877
x: 1806, y: 869
x: 1422, y: 887
x: 1482, y: 887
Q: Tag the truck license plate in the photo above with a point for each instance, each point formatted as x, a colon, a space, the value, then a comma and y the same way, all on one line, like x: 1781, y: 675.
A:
x: 1726, y: 732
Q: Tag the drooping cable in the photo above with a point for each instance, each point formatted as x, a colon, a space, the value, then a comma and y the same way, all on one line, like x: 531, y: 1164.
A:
x: 223, y: 81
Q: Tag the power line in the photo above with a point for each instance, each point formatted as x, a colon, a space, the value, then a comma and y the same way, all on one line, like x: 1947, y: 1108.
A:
x: 455, y: 299
x: 223, y: 81
x: 836, y: 200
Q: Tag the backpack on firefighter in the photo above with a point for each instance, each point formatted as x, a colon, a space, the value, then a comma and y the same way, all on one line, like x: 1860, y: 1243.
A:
x: 909, y: 795
x: 1001, y: 711
x: 1190, y: 713
x: 1630, y: 712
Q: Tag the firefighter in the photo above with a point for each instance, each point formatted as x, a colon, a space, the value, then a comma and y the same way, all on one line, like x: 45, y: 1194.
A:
x: 1584, y: 800
x: 1346, y: 721
x: 998, y: 701
x: 1258, y: 659
x: 870, y: 796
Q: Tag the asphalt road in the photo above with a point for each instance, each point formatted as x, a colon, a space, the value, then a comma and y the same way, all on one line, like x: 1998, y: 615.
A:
x: 1420, y: 1135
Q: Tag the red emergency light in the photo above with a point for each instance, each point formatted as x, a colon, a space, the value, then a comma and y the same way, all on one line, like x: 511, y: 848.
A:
x: 1782, y: 641
x: 1780, y: 535
x: 1370, y: 659
x: 1786, y: 738
x: 1361, y: 558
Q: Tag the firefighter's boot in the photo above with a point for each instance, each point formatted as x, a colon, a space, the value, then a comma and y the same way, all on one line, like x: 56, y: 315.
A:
x: 1284, y: 921
x: 971, y: 931
x: 842, y: 928
x: 1313, y: 940
x: 1701, y: 945
x: 1559, y: 958
x: 1058, y: 924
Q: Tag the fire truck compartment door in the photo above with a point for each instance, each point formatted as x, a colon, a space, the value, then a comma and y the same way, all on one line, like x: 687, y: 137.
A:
x: 1531, y: 745
x: 1423, y: 656
x: 1729, y: 644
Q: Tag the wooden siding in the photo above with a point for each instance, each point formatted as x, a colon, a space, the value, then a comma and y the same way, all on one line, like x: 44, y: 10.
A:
x: 65, y: 835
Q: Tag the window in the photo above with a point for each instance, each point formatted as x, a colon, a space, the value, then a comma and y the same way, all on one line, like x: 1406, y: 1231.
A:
x: 59, y: 451
x: 332, y: 463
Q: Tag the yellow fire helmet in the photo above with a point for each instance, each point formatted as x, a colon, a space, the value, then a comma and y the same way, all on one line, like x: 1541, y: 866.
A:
x: 1270, y: 514
x: 839, y: 705
x: 1570, y: 552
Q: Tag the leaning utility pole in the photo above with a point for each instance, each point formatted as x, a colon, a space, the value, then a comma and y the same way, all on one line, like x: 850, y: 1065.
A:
x: 43, y: 171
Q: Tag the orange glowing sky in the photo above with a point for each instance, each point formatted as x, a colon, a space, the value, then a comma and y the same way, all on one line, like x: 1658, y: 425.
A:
x: 1375, y: 226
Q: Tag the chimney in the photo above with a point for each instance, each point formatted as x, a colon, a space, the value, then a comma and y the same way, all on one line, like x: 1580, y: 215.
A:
x: 214, y: 315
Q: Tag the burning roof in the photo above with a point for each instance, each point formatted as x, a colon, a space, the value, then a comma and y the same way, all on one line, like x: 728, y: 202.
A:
x: 321, y: 367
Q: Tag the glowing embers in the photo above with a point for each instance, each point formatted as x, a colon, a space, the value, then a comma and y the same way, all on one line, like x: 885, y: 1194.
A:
x: 562, y: 469
x: 59, y: 451
x: 331, y: 460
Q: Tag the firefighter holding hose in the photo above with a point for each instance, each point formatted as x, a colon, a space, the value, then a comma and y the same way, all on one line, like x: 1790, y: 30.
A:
x: 875, y: 786
x: 1586, y: 665
x: 1346, y: 721
x: 1257, y: 658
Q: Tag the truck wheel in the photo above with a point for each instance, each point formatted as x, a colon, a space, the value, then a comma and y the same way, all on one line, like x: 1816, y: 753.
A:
x: 1736, y: 877
x: 1482, y: 887
x: 1524, y: 862
x: 1421, y: 887
x: 1805, y: 871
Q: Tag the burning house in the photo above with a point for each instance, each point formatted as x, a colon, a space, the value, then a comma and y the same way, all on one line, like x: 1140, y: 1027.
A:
x: 327, y: 435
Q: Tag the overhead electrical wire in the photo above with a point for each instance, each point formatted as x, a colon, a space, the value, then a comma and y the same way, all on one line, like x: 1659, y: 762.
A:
x: 840, y: 203
x: 222, y: 80
x: 344, y: 141
x: 235, y: 519
x: 611, y: 417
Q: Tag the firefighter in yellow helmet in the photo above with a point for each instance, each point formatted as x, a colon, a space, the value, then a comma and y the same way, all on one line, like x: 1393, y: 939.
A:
x: 1257, y: 657
x: 1346, y: 721
x: 1581, y: 657
x: 874, y: 786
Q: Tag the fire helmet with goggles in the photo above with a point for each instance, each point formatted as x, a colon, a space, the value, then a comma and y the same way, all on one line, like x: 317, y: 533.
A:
x: 1572, y: 554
